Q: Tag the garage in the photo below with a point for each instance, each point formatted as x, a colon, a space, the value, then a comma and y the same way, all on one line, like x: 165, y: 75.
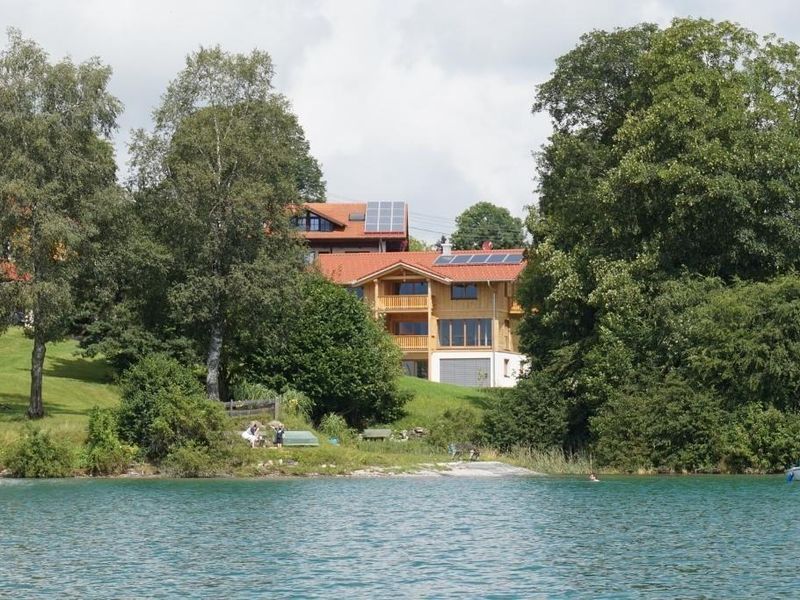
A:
x: 472, y: 372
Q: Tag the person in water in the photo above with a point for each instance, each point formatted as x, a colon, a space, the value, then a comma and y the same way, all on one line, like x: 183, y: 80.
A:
x: 593, y: 477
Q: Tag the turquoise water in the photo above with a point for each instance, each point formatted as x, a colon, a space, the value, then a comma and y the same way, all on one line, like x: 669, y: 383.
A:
x: 538, y: 537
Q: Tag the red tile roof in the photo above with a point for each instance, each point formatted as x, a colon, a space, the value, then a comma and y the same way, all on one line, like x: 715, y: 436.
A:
x: 339, y: 213
x: 350, y: 269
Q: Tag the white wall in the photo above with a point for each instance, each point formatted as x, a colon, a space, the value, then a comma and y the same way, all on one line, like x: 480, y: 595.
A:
x: 515, y: 364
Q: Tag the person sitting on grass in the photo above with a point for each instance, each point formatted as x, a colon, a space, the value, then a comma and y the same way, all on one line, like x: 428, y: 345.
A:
x: 251, y: 434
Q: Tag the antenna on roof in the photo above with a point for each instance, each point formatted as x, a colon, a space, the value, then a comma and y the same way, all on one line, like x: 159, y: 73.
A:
x: 487, y: 245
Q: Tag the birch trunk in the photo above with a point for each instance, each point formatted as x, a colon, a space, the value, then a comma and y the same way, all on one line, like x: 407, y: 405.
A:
x: 36, y: 408
x: 212, y: 362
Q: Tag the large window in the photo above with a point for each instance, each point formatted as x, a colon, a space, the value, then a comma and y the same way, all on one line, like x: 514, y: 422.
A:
x: 464, y: 291
x: 411, y: 328
x: 465, y: 332
x: 312, y: 222
x: 411, y: 288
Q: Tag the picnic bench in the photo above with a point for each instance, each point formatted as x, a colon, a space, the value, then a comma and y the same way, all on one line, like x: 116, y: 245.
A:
x: 376, y: 434
x: 299, y: 438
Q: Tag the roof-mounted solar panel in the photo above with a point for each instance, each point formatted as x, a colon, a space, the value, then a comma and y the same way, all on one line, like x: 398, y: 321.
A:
x: 460, y: 259
x: 513, y: 259
x: 444, y: 260
x: 478, y: 259
x: 494, y: 259
x: 385, y: 217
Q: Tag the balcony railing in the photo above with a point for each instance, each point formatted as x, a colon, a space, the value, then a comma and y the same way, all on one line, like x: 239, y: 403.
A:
x: 412, y: 342
x: 402, y: 303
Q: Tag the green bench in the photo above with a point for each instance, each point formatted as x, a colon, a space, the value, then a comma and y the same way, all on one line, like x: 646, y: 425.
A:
x: 299, y: 438
x: 376, y: 434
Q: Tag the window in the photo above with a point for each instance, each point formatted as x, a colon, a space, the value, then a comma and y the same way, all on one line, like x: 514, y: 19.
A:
x: 358, y: 292
x: 465, y: 332
x: 416, y: 368
x: 411, y: 328
x: 411, y: 288
x: 311, y: 222
x: 506, y: 367
x: 464, y: 291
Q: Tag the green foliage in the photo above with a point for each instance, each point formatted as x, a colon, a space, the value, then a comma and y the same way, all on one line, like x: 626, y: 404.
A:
x: 535, y: 414
x: 334, y: 426
x: 191, y: 459
x: 335, y: 352
x: 761, y: 439
x: 36, y: 454
x: 454, y: 426
x: 660, y: 296
x: 104, y: 453
x: 56, y: 161
x: 163, y: 407
x: 486, y: 222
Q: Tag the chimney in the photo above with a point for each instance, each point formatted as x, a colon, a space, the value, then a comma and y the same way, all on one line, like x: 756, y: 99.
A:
x: 446, y: 248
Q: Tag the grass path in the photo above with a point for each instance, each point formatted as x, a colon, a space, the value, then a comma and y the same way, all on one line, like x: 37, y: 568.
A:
x: 72, y: 385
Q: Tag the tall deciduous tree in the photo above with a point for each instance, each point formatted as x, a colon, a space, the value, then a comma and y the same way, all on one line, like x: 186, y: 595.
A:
x: 484, y: 222
x: 55, y: 160
x: 217, y: 179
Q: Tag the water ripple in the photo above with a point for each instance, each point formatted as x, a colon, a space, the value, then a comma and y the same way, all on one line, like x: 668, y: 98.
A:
x: 667, y: 537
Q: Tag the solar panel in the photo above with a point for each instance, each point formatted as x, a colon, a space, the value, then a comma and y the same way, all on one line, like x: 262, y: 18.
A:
x: 387, y: 217
x: 479, y: 259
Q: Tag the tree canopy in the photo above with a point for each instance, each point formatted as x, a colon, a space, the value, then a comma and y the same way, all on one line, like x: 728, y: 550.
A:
x: 485, y: 222
x: 664, y: 249
x: 56, y: 165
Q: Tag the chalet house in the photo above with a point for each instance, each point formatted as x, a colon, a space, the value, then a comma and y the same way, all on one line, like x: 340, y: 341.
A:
x: 332, y: 228
x: 452, y: 313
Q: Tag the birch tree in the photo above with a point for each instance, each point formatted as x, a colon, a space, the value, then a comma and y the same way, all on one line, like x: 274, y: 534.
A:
x: 55, y: 161
x: 216, y: 179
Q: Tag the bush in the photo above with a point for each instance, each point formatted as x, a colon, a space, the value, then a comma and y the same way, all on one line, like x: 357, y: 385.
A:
x: 671, y: 426
x: 336, y: 352
x: 534, y: 415
x: 458, y: 425
x: 104, y: 453
x: 334, y: 426
x: 36, y: 454
x: 163, y: 406
x: 761, y: 439
x: 192, y: 460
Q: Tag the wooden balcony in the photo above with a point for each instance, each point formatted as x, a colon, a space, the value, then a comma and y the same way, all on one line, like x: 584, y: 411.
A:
x: 412, y: 342
x: 403, y: 303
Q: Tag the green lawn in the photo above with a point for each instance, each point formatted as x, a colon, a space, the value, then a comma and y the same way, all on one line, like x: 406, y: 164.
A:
x: 432, y: 399
x: 72, y: 385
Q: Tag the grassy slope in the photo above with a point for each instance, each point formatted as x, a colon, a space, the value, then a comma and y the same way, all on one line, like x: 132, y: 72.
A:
x: 72, y: 385
x: 432, y: 399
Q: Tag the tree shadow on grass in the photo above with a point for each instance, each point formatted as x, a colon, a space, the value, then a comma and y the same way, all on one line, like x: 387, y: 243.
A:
x: 14, y: 408
x: 93, y: 371
x: 478, y: 400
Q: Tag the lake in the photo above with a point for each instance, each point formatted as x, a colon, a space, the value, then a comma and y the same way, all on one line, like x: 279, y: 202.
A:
x: 517, y: 537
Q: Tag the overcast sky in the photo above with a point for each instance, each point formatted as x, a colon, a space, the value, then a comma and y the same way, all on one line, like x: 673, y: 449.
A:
x: 427, y: 102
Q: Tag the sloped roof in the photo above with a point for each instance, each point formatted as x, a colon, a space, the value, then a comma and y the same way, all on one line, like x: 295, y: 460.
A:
x: 354, y: 269
x: 339, y: 214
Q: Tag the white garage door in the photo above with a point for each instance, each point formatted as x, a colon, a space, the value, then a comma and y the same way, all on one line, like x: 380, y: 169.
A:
x: 473, y: 372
